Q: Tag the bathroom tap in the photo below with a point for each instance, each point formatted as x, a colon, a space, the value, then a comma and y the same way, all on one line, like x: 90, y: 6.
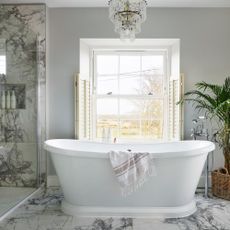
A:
x: 193, y: 132
x: 199, y: 130
x: 215, y: 137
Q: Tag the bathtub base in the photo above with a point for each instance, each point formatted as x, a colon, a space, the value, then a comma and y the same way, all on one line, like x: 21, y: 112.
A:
x: 131, y: 212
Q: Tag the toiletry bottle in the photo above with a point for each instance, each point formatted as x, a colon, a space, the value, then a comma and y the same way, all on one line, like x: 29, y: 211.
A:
x: 103, y: 135
x: 8, y: 100
x: 3, y: 100
x: 109, y: 135
x: 13, y: 100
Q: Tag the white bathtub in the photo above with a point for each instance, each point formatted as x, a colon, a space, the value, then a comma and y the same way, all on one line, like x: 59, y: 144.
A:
x: 90, y: 187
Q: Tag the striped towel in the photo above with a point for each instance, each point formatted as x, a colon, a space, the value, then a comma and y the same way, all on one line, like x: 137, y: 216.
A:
x: 131, y: 169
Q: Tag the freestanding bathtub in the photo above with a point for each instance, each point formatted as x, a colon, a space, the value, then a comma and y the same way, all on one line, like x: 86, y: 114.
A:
x: 90, y: 187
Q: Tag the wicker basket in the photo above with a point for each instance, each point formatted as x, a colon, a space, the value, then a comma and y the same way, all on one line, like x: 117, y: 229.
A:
x: 221, y: 183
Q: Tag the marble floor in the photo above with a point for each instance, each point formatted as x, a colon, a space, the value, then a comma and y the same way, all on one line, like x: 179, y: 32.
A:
x: 43, y: 212
x: 11, y: 196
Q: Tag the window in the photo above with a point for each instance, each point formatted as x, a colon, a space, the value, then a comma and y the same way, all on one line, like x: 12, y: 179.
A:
x: 130, y: 94
x: 2, y: 64
x: 2, y: 56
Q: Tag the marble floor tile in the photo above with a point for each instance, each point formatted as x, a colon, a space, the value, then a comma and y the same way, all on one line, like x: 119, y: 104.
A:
x: 149, y: 224
x: 11, y: 196
x: 43, y: 212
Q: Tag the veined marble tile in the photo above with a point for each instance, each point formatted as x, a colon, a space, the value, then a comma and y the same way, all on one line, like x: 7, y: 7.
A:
x: 43, y: 212
x: 149, y: 224
x: 211, y: 214
x: 23, y: 29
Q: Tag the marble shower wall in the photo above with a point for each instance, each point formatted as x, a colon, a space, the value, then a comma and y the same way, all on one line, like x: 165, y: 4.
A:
x: 22, y: 130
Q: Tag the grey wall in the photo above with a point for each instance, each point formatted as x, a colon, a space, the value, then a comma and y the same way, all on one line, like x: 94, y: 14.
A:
x: 205, y: 52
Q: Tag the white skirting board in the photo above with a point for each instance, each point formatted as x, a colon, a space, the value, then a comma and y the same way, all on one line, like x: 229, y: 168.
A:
x: 53, y: 181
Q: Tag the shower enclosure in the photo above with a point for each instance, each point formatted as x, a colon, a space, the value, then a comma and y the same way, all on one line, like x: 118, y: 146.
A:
x: 22, y: 102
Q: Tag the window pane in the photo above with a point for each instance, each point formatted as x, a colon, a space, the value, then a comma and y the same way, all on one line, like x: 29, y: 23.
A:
x: 153, y: 64
x: 130, y: 129
x: 107, y: 64
x: 107, y: 117
x: 141, y: 109
x: 130, y: 84
x: 152, y: 129
x: 107, y: 107
x: 148, y: 111
x: 103, y: 124
x: 129, y: 109
x: 129, y: 65
x: 151, y: 109
x: 107, y: 85
x: 152, y: 85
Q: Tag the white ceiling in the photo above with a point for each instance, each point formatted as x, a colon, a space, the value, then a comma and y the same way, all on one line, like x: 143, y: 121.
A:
x: 104, y: 3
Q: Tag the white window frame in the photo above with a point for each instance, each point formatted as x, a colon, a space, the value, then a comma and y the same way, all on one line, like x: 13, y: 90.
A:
x: 94, y: 96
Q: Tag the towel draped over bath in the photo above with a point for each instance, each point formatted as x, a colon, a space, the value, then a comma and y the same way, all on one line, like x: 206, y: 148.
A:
x: 131, y: 169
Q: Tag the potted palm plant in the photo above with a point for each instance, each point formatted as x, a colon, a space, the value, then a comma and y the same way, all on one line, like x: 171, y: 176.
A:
x: 214, y: 101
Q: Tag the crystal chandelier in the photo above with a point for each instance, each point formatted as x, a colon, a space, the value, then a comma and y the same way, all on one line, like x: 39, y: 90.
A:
x: 127, y: 16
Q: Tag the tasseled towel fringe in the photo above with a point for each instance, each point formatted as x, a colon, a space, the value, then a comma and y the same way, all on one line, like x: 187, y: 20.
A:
x: 128, y: 190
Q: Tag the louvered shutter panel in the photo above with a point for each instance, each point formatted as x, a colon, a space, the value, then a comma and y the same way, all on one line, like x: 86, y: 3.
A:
x: 87, y: 109
x: 181, y: 106
x: 82, y: 108
x: 171, y: 108
x: 175, y: 111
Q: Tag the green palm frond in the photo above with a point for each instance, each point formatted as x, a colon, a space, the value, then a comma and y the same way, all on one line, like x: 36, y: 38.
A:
x: 215, y: 89
x: 211, y: 99
x: 214, y: 101
x: 227, y: 84
x: 200, y: 95
x: 224, y: 109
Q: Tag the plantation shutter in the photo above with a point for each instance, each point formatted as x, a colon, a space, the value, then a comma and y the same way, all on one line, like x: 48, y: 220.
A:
x: 82, y: 108
x: 176, y: 88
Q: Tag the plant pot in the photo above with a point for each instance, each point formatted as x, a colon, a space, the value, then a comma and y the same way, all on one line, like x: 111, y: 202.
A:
x: 221, y: 183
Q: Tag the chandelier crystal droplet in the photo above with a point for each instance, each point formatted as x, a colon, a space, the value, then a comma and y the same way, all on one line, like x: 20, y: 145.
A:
x: 127, y: 16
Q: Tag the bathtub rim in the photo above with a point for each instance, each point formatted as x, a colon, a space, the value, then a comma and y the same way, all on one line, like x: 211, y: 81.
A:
x: 130, y: 212
x: 93, y: 154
